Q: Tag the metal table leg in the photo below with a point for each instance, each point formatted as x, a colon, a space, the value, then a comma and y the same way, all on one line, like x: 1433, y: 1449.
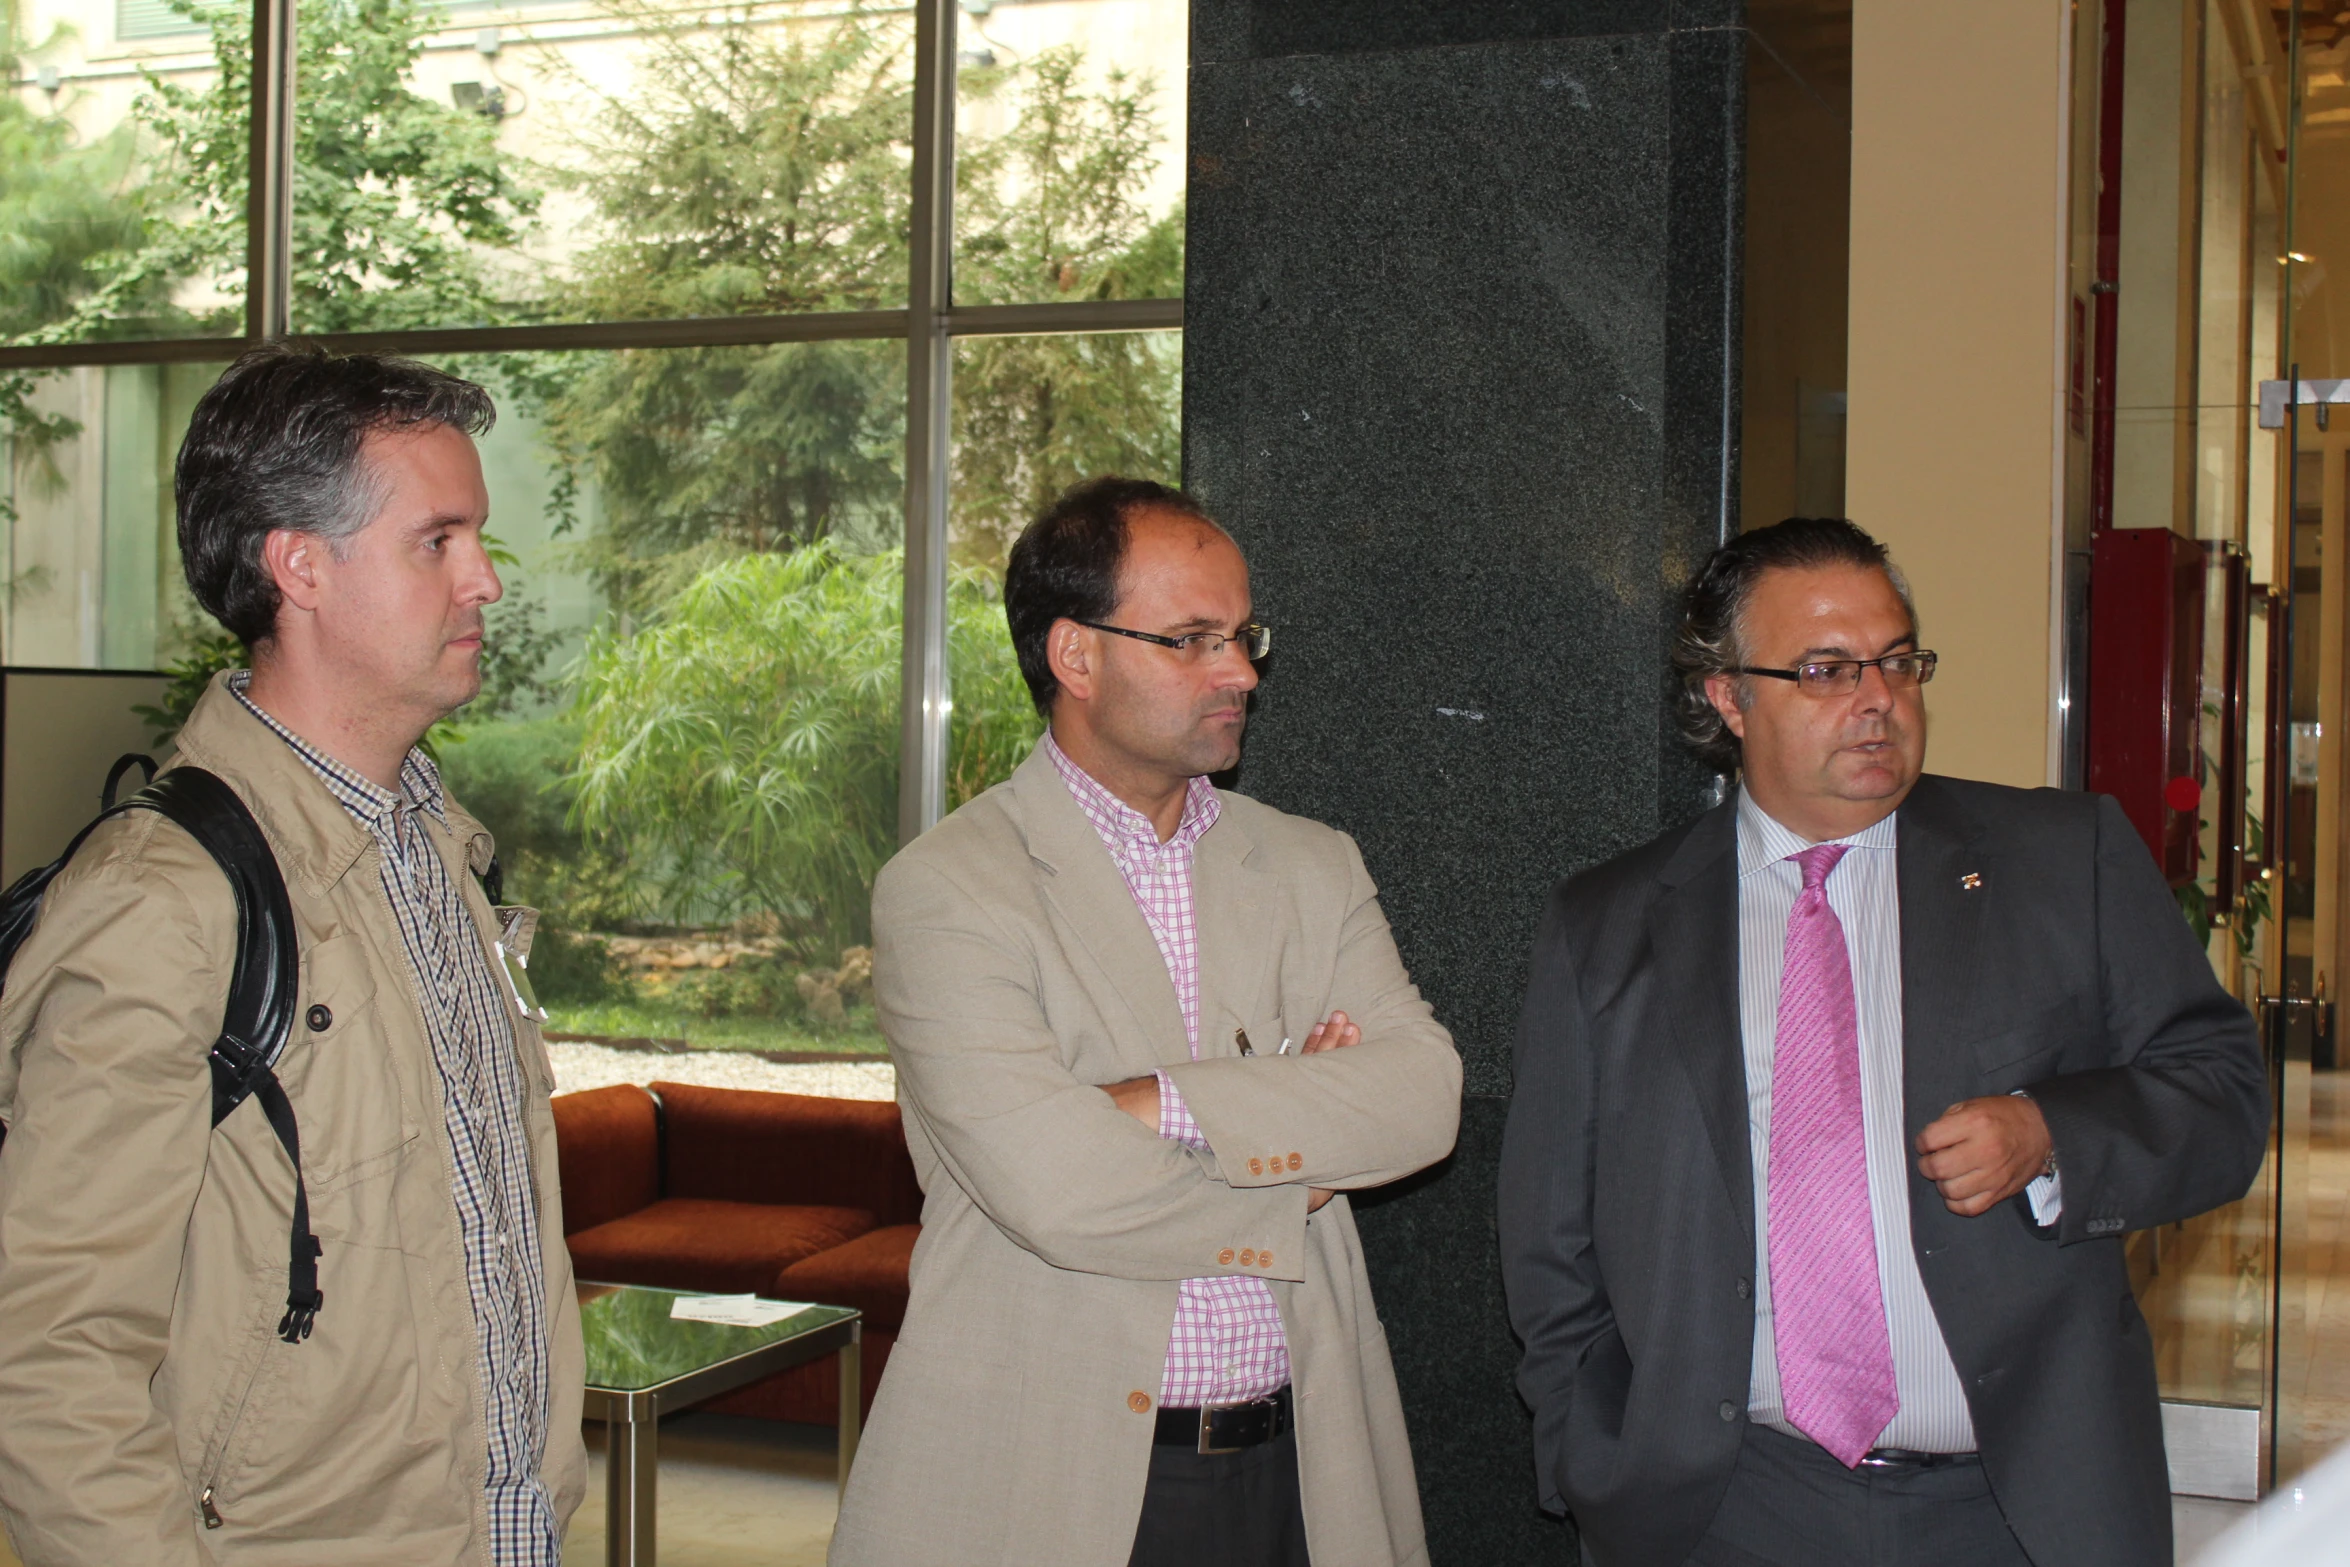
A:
x: 852, y: 1398
x: 632, y: 1460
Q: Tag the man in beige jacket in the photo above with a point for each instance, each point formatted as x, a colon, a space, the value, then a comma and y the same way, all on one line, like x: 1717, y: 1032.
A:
x: 1146, y: 1032
x: 150, y: 1413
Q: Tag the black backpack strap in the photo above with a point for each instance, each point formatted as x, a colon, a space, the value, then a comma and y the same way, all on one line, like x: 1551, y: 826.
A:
x: 260, y: 1015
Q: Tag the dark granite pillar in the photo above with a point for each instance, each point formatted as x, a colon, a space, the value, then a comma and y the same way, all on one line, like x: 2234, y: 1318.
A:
x: 1459, y: 371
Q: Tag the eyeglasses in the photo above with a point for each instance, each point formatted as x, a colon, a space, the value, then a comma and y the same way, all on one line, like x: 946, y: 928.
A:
x: 1200, y: 646
x: 1841, y: 676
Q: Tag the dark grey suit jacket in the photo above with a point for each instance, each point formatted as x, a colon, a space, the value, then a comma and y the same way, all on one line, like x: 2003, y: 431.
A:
x: 1627, y: 1202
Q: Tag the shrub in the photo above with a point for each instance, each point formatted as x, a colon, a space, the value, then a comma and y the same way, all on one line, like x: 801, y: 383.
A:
x: 741, y: 750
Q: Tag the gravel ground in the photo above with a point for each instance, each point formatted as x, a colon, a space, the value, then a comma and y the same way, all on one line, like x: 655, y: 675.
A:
x: 580, y: 1067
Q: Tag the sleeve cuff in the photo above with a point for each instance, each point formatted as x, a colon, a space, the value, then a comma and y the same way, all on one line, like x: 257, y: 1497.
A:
x: 1175, y: 1122
x: 2045, y: 1194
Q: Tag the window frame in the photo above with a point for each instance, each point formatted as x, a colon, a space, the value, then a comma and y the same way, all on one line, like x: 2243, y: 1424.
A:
x: 929, y: 324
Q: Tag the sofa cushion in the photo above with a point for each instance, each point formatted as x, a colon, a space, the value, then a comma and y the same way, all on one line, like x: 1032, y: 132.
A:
x: 608, y: 1151
x: 700, y: 1243
x: 750, y: 1146
x: 868, y: 1273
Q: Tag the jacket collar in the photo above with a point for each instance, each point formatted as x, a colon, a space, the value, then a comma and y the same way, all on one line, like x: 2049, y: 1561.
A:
x: 315, y: 838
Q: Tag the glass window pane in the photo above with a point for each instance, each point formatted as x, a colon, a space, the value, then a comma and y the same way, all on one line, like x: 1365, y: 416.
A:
x: 511, y: 163
x: 92, y: 572
x: 122, y: 169
x: 1033, y: 416
x: 687, y: 740
x: 1069, y: 127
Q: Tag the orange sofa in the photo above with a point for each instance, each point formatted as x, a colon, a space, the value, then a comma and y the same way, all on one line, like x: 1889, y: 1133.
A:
x: 728, y: 1191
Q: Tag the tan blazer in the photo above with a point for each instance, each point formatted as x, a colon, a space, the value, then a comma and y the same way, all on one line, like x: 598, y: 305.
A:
x: 143, y: 1252
x: 1014, y: 975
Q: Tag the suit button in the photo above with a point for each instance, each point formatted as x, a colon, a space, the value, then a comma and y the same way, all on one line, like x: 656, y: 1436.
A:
x: 1728, y: 1411
x: 1139, y: 1402
x: 320, y: 1019
x: 1264, y: 1259
x: 1256, y: 1167
x: 1296, y: 1162
x: 1248, y: 1258
x: 1224, y: 1258
x: 1746, y: 1289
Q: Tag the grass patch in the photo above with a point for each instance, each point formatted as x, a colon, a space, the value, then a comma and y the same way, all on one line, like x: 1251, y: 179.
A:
x: 629, y: 1020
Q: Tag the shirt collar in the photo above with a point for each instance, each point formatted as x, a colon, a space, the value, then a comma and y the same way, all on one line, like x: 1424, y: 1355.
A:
x: 1121, y: 825
x: 1763, y: 841
x: 366, y: 800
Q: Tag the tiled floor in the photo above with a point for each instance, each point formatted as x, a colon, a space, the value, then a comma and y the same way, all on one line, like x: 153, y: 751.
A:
x: 733, y: 1493
x: 739, y: 1492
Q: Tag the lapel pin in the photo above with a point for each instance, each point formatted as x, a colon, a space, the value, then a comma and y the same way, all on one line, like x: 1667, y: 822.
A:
x: 1971, y: 882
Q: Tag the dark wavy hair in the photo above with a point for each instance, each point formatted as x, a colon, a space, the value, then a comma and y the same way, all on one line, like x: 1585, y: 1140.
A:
x: 1709, y: 641
x: 275, y: 444
x: 1064, y: 566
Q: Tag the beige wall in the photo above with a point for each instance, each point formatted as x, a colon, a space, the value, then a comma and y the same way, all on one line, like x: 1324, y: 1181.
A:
x: 1956, y: 355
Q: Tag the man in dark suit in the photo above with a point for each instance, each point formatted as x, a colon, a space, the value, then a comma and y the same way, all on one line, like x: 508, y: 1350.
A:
x: 1832, y: 1110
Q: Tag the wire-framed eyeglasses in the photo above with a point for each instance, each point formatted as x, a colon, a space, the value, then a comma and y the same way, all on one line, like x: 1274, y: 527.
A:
x: 1841, y: 676
x: 1200, y: 646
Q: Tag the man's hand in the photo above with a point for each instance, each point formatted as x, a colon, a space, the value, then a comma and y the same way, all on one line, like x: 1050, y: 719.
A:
x: 1139, y: 1098
x: 1984, y: 1151
x: 1334, y: 1032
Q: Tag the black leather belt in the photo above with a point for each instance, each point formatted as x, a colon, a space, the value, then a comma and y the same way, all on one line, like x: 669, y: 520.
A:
x: 1904, y: 1458
x: 1226, y: 1428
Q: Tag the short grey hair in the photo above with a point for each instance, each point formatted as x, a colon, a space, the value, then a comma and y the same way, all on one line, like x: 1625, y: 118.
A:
x: 276, y: 444
x: 1711, y: 641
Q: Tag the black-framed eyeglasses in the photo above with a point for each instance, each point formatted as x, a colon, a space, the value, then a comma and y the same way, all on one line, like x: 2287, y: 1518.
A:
x: 1841, y: 676
x: 1255, y: 640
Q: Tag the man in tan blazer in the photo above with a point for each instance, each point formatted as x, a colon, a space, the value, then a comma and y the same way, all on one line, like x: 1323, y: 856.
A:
x: 1147, y: 1034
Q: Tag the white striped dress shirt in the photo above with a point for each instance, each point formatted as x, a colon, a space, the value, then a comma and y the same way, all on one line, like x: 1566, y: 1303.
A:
x: 1865, y: 893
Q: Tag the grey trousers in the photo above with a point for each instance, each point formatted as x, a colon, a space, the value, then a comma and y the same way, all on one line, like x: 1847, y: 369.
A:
x: 1791, y: 1505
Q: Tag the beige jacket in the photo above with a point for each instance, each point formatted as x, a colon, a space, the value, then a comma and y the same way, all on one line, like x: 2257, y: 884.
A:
x: 1014, y: 975
x: 143, y: 1253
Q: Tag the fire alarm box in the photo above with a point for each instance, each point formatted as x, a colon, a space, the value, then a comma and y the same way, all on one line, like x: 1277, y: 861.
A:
x: 2146, y: 687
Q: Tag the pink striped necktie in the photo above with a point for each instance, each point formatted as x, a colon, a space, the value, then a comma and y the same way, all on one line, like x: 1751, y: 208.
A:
x: 1827, y: 1306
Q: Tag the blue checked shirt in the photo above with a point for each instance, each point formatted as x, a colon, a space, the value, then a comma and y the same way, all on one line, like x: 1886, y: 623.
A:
x: 466, y: 1013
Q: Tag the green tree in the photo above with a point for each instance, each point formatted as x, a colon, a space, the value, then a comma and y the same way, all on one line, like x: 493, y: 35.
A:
x: 400, y: 203
x: 67, y: 206
x: 759, y: 168
x: 1052, y: 211
x: 746, y: 741
x: 753, y: 169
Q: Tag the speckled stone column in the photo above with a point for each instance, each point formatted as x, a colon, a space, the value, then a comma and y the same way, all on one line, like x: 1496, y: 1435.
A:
x: 1460, y: 375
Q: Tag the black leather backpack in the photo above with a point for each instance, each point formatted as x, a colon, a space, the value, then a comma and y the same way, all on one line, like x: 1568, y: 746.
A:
x: 260, y: 1015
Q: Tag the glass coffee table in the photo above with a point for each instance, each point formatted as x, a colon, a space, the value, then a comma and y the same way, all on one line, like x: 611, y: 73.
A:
x: 642, y: 1364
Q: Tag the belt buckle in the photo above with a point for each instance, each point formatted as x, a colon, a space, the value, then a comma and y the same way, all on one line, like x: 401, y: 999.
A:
x: 1207, y: 1410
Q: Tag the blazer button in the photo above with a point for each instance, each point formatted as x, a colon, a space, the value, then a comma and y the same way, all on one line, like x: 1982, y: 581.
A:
x: 1139, y: 1402
x: 1296, y: 1162
x: 1264, y: 1259
x: 1728, y: 1411
x: 1224, y: 1258
x: 1746, y: 1289
x: 1248, y: 1258
x: 319, y: 1019
x: 1256, y: 1167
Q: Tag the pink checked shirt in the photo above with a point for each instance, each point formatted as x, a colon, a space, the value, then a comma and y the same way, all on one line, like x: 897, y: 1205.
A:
x: 1227, y: 1347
